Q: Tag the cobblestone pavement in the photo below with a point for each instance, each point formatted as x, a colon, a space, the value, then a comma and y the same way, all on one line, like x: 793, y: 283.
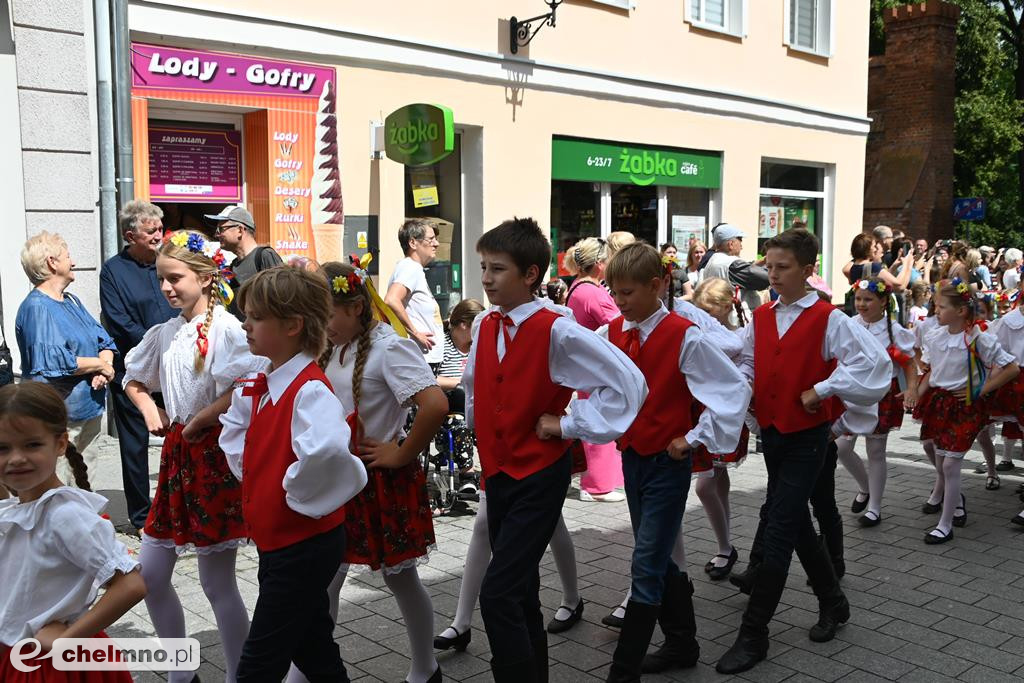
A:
x: 921, y: 613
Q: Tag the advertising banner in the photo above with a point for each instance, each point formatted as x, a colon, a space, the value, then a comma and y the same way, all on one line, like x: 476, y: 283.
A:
x: 187, y: 165
x: 591, y: 160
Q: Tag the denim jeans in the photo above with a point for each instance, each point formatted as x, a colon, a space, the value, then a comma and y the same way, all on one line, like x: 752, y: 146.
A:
x: 656, y: 490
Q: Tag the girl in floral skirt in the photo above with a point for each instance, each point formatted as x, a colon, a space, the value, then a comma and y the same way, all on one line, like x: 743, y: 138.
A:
x: 193, y: 360
x: 874, y: 311
x: 954, y: 398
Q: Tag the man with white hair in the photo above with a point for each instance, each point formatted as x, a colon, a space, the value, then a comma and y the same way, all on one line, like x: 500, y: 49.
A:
x: 724, y: 262
x: 1011, y: 275
x: 884, y: 234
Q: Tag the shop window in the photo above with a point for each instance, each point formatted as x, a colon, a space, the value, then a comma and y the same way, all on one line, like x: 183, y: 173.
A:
x: 726, y: 16
x: 688, y: 217
x: 792, y: 196
x: 634, y: 208
x: 575, y: 214
x: 809, y: 25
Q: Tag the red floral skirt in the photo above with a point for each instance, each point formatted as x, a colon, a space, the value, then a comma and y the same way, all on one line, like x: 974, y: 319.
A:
x: 1011, y: 430
x: 890, y: 410
x: 703, y: 461
x: 1009, y: 399
x: 389, y: 522
x: 47, y: 674
x: 948, y: 421
x: 198, y: 501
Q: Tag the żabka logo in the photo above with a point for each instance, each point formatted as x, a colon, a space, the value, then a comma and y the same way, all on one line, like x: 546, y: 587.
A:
x: 109, y: 654
x: 409, y: 137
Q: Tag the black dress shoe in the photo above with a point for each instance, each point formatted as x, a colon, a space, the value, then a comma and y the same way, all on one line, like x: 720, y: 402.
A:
x: 557, y: 625
x: 829, y: 620
x: 745, y: 653
x: 858, y: 506
x: 869, y: 519
x: 745, y: 579
x: 931, y: 508
x: 933, y: 538
x: 719, y: 573
x: 436, y: 676
x: 460, y: 642
x: 961, y: 520
x: 1018, y: 520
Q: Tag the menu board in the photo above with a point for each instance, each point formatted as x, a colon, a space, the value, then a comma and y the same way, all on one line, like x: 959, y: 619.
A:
x: 189, y: 165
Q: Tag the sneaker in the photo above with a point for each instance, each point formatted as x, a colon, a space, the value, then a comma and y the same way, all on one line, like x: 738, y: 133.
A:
x: 610, y: 497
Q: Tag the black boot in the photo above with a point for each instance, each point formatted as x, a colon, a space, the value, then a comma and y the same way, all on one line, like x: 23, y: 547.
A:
x: 833, y: 608
x: 745, y: 579
x: 540, y: 656
x: 519, y: 672
x: 637, y: 628
x: 680, y: 650
x: 834, y: 545
x: 751, y: 644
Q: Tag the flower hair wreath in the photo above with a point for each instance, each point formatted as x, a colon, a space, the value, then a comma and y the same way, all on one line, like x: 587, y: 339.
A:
x: 878, y: 287
x: 344, y: 284
x: 196, y: 244
x: 668, y: 263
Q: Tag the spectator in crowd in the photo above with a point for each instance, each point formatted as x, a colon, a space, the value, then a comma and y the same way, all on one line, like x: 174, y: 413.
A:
x: 130, y: 303
x: 884, y: 235
x: 236, y: 231
x: 1011, y: 273
x: 408, y: 293
x: 62, y: 344
x: 693, y: 258
x: 725, y: 263
x: 617, y: 240
x: 988, y: 258
x: 866, y: 262
x: 956, y: 264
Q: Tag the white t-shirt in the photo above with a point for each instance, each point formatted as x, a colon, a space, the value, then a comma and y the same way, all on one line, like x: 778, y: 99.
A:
x: 1011, y: 278
x: 424, y: 313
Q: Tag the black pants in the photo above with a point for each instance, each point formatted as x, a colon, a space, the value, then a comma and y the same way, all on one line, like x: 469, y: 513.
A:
x: 291, y: 621
x: 521, y: 516
x: 133, y: 440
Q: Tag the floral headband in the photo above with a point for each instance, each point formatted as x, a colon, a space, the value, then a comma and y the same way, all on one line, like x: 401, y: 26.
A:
x: 669, y: 264
x: 196, y: 244
x: 963, y: 289
x: 876, y: 286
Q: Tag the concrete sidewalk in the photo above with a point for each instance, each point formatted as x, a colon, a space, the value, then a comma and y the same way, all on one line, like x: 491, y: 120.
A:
x: 921, y: 613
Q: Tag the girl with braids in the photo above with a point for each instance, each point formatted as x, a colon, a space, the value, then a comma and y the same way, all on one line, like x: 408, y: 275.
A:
x: 874, y: 311
x: 193, y: 360
x: 377, y: 375
x: 56, y: 551
x: 953, y: 397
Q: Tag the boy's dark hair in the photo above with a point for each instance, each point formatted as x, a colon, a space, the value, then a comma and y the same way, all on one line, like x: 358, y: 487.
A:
x: 523, y: 241
x: 801, y: 242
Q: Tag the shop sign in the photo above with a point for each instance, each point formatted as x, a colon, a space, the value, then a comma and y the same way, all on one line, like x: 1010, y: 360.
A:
x: 589, y: 160
x: 419, y: 134
x: 187, y: 165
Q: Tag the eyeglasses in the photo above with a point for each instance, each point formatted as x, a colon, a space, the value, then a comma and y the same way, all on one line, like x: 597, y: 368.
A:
x: 225, y: 226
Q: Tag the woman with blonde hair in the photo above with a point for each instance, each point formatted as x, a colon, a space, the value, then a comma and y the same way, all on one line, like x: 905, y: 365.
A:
x: 616, y: 241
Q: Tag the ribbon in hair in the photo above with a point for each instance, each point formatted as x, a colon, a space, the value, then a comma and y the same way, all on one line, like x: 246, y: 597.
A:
x: 381, y: 311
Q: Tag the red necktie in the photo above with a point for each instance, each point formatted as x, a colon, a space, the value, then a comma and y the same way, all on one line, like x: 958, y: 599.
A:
x: 505, y: 322
x: 255, y: 386
x: 633, y: 343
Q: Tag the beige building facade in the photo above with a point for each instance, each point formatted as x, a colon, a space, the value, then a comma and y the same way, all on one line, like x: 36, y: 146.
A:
x: 661, y: 117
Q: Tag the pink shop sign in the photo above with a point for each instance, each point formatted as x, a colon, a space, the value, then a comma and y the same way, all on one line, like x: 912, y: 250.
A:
x: 156, y: 67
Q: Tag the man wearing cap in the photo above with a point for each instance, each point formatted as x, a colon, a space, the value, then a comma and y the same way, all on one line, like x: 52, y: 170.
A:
x: 724, y: 262
x: 236, y: 232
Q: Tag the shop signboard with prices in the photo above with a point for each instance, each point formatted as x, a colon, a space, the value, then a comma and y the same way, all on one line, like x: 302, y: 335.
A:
x: 642, y: 165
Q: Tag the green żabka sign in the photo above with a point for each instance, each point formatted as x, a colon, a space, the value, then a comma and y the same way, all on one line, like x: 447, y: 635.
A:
x: 419, y: 134
x: 632, y: 164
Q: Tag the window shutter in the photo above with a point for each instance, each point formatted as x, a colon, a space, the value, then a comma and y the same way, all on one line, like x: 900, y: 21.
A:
x: 714, y: 12
x: 803, y: 23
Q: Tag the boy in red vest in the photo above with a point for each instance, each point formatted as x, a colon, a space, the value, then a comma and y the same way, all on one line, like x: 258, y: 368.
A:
x: 682, y: 366
x: 286, y: 438
x: 806, y: 358
x: 525, y: 362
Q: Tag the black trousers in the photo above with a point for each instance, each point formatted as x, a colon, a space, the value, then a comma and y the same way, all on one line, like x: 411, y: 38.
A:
x: 133, y: 440
x: 521, y: 516
x: 292, y: 621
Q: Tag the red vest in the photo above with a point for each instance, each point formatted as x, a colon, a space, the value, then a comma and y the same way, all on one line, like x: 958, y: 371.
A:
x: 785, y: 368
x: 271, y: 524
x: 667, y: 412
x: 510, y: 395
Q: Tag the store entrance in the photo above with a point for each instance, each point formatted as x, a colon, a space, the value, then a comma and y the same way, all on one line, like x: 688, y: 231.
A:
x: 635, y: 209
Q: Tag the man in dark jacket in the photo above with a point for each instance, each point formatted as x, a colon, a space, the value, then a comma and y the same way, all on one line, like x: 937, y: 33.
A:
x: 236, y: 232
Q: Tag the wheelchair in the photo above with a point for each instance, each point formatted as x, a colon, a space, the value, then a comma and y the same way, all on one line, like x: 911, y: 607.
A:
x: 450, y: 483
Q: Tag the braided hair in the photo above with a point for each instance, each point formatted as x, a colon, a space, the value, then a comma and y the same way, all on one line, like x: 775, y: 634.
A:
x: 346, y: 290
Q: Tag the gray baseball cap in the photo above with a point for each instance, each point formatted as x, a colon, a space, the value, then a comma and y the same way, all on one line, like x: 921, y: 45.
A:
x: 725, y: 232
x: 234, y: 212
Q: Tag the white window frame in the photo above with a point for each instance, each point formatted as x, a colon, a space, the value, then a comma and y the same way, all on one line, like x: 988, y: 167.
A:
x: 629, y: 5
x: 734, y: 12
x: 824, y: 29
x: 827, y: 196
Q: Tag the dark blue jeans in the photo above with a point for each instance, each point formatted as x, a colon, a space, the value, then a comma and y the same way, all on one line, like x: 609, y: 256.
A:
x: 656, y: 490
x: 793, y: 462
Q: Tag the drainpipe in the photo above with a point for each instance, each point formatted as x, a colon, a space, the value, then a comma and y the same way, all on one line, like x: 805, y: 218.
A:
x: 105, y: 119
x: 121, y: 53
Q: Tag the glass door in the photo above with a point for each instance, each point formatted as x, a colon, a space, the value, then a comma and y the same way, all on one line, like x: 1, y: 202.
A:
x: 635, y: 209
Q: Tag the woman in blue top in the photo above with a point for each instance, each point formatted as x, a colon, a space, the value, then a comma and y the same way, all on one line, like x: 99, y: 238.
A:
x: 61, y: 343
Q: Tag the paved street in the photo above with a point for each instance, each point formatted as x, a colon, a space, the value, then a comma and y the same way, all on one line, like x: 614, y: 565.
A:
x: 921, y: 613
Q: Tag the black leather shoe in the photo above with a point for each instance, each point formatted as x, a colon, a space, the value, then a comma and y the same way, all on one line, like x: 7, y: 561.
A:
x: 933, y: 538
x: 1018, y: 520
x: 745, y: 579
x: 719, y: 573
x: 961, y: 520
x: 858, y: 506
x: 745, y: 653
x: 869, y: 519
x: 829, y: 620
x: 931, y: 508
x: 611, y: 620
x: 434, y: 677
x: 557, y: 625
x: 460, y: 642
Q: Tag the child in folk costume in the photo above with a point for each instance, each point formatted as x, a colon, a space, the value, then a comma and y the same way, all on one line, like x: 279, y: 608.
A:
x: 985, y: 312
x: 286, y: 438
x: 804, y: 355
x: 377, y: 375
x: 933, y: 503
x: 56, y: 551
x: 874, y: 311
x: 524, y: 349
x: 1009, y: 331
x: 193, y: 360
x: 681, y: 366
x: 954, y: 396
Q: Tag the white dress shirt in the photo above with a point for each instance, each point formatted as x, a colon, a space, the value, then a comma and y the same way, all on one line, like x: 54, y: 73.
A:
x: 56, y: 553
x: 727, y: 340
x: 580, y: 360
x: 947, y: 356
x: 712, y: 379
x: 325, y: 474
x: 164, y: 361
x: 902, y: 338
x: 1009, y: 330
x: 395, y: 371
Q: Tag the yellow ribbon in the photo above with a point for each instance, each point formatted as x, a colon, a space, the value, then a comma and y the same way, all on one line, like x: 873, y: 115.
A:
x: 381, y: 311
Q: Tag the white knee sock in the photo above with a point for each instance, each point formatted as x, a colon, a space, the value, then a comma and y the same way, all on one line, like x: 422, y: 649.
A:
x: 217, y: 576
x: 1008, y: 445
x: 707, y: 491
x: 988, y: 449
x: 939, y: 488
x: 877, y: 471
x: 853, y: 464
x: 478, y: 556
x: 333, y: 597
x: 162, y: 600
x: 564, y: 553
x: 951, y: 497
x: 418, y: 613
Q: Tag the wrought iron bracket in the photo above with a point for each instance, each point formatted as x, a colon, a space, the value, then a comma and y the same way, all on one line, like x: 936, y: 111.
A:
x: 521, y: 31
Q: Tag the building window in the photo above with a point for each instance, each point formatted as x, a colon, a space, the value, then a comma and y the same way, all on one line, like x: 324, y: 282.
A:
x: 792, y: 196
x: 726, y: 16
x: 621, y: 4
x: 810, y: 25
